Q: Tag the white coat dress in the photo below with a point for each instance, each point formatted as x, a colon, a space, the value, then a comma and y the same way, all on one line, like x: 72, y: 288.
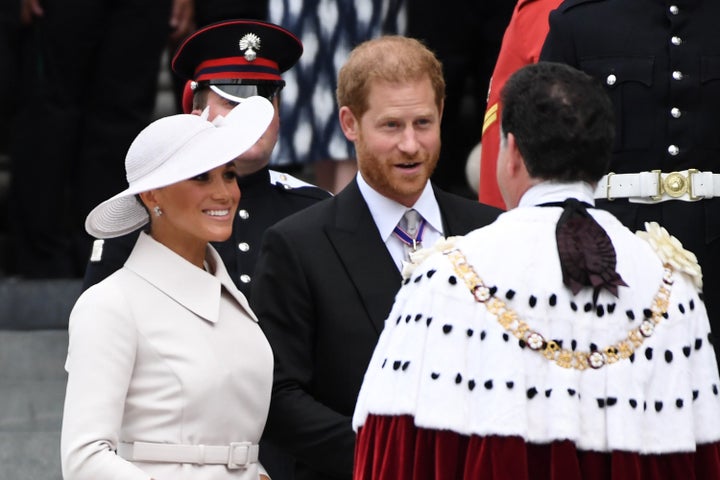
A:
x: 163, y: 352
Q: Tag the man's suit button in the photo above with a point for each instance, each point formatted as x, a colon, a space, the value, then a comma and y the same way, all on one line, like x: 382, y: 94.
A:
x: 244, y: 278
x: 243, y: 246
x: 244, y: 214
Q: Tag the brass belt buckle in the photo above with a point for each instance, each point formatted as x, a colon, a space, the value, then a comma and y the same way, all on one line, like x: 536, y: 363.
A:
x: 677, y: 184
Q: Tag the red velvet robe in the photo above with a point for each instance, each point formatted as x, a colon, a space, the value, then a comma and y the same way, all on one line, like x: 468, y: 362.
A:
x: 393, y: 448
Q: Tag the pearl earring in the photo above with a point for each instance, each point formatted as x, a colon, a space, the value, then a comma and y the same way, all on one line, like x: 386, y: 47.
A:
x: 157, y: 210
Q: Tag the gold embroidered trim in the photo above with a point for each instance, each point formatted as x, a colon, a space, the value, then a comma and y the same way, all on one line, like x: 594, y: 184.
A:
x: 550, y: 349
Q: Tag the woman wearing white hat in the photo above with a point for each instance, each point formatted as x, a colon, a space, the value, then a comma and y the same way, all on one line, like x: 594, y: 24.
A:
x: 169, y: 375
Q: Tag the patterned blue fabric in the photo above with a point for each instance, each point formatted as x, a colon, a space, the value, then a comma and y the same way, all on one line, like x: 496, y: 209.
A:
x: 328, y: 30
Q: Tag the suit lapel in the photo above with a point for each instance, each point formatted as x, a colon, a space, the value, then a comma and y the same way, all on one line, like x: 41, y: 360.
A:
x: 356, y: 240
x: 455, y: 219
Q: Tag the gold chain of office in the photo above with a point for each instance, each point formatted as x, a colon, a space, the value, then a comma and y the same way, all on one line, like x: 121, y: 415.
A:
x: 550, y: 349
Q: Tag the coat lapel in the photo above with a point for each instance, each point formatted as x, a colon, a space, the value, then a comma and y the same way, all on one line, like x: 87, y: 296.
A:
x: 186, y: 284
x: 356, y: 240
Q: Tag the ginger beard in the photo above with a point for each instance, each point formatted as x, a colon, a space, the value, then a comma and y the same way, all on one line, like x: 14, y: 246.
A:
x: 396, y: 175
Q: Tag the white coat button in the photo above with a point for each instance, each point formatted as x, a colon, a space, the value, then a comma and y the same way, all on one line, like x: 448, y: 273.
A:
x: 676, y: 40
x: 673, y: 150
x: 611, y: 79
x: 677, y: 75
x: 244, y: 278
x: 675, y: 112
x: 244, y: 247
x: 674, y: 9
x: 244, y: 214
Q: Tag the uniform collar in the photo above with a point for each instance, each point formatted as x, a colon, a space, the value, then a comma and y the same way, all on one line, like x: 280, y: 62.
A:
x: 547, y: 192
x: 255, y: 183
x: 387, y: 213
x: 192, y: 287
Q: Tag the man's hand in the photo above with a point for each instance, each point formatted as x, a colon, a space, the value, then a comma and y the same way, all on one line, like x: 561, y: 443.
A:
x: 30, y: 9
x: 182, y: 19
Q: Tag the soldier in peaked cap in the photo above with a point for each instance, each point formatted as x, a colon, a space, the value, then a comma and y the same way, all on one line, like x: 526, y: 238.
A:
x: 236, y: 59
x: 223, y: 63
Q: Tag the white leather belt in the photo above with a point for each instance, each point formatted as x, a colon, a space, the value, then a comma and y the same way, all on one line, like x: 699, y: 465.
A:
x: 234, y: 456
x: 656, y: 186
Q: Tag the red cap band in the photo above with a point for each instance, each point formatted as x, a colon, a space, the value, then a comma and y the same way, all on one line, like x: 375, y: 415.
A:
x: 237, y: 67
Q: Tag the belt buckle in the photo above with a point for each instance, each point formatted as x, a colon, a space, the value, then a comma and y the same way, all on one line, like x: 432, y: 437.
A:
x: 608, y: 186
x: 677, y: 184
x: 231, y: 463
x: 658, y: 196
x: 691, y: 190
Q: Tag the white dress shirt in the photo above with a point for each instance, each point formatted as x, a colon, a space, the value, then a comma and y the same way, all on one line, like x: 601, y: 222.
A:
x: 387, y: 214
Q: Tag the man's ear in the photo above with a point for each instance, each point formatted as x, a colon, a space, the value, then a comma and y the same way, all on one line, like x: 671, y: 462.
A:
x: 515, y: 163
x: 349, y: 123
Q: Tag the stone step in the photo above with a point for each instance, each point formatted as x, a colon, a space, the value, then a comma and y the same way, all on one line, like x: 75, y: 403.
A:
x: 36, y: 304
x: 32, y: 391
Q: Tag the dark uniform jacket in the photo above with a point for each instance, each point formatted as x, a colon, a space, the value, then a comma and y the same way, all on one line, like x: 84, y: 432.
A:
x: 324, y: 284
x: 262, y: 204
x: 660, y: 63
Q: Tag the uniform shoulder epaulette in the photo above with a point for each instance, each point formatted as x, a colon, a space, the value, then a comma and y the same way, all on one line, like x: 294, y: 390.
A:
x: 568, y: 4
x: 292, y: 184
x: 97, y: 250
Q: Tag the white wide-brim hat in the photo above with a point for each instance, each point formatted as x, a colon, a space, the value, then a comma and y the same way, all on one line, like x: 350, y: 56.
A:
x: 173, y: 149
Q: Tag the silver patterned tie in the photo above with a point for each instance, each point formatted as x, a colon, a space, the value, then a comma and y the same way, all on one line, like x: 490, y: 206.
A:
x: 410, y: 231
x: 412, y: 219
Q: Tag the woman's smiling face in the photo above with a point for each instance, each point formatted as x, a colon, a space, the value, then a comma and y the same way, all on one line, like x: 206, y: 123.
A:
x: 196, y: 211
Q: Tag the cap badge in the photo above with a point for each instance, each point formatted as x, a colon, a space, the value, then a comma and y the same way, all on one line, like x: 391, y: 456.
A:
x: 250, y: 43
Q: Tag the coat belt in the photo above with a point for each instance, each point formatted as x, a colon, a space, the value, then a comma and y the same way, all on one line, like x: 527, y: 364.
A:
x: 656, y: 186
x: 235, y: 455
